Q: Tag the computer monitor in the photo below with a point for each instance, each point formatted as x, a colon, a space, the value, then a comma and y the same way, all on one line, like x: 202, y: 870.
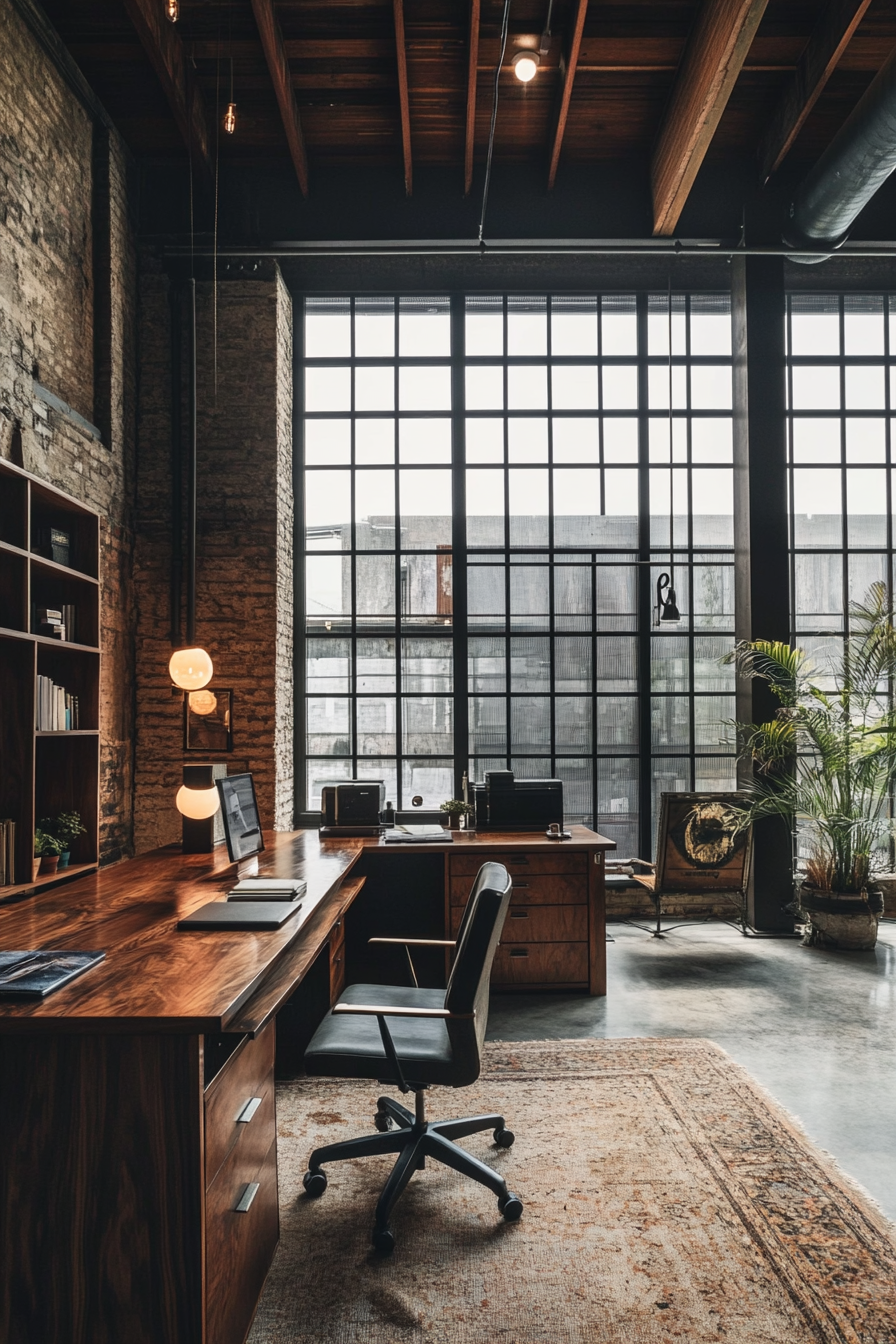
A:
x: 239, y: 812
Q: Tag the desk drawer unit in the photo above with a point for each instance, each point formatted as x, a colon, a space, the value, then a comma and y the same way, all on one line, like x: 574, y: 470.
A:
x: 545, y: 942
x: 242, y: 1221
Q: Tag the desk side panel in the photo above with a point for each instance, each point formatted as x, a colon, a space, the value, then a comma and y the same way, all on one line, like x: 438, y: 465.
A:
x: 101, y: 1183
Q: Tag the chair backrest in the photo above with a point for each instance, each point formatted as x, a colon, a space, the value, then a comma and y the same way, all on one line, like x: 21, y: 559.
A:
x: 467, y: 990
x: 698, y: 848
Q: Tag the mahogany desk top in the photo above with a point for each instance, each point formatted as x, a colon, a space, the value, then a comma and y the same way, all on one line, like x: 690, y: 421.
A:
x: 155, y: 978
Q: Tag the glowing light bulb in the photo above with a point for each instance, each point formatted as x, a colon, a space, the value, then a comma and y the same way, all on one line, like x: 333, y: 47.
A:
x: 230, y: 118
x: 197, y: 804
x: 172, y: 10
x: 203, y: 702
x: 525, y: 65
x: 190, y: 669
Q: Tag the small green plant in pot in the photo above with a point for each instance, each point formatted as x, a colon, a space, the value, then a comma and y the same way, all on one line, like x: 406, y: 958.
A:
x: 827, y: 764
x: 46, y: 848
x: 455, y: 809
x: 66, y: 827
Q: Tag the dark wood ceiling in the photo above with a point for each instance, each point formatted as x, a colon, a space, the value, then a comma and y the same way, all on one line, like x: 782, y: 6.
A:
x: 343, y: 61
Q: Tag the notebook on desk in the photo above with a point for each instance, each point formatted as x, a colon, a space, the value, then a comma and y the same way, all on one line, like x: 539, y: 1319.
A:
x: 417, y: 835
x: 268, y: 889
x: 241, y: 915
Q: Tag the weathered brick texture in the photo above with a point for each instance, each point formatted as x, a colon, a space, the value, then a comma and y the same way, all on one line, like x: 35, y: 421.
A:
x: 244, y: 570
x: 59, y: 192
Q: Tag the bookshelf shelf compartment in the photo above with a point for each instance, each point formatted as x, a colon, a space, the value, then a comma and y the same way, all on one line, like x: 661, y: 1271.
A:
x: 47, y: 771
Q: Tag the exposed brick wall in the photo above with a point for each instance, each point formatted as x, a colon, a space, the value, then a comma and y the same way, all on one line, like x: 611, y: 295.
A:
x: 58, y: 189
x: 244, y: 570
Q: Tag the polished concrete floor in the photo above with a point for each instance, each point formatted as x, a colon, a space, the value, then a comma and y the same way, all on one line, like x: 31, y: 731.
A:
x: 816, y: 1028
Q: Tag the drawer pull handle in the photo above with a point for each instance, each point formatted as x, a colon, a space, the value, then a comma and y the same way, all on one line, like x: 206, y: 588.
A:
x: 248, y: 1110
x: 522, y: 859
x: 244, y: 1203
x: 518, y: 885
x: 519, y: 914
x: 519, y: 951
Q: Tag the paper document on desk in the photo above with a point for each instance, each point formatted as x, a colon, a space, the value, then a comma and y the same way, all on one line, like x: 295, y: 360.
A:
x: 417, y: 835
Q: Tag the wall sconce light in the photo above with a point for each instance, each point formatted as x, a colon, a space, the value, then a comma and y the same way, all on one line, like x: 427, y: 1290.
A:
x: 230, y: 119
x: 172, y: 10
x: 525, y: 65
x: 667, y: 612
x: 197, y: 804
x: 190, y: 669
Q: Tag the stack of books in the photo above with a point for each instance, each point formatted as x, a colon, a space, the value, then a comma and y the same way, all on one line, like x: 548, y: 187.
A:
x: 55, y: 622
x: 268, y: 889
x: 57, y: 709
x: 7, y: 853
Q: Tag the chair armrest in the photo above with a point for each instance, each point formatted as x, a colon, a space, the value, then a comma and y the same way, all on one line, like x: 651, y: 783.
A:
x: 417, y: 942
x: 375, y: 1010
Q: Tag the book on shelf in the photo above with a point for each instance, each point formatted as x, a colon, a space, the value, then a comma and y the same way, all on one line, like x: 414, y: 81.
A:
x: 58, y: 710
x: 55, y: 544
x: 7, y: 853
x: 54, y: 622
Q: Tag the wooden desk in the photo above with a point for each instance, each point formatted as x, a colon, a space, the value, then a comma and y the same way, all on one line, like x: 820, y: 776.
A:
x: 122, y: 1157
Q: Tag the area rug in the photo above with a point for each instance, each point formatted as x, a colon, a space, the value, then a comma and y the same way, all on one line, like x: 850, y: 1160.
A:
x: 667, y: 1198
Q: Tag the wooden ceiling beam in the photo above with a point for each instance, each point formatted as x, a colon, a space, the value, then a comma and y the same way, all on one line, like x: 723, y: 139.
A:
x: 278, y: 64
x: 829, y: 40
x: 568, y: 64
x: 404, y: 104
x: 710, y: 64
x: 472, y: 77
x: 166, y: 53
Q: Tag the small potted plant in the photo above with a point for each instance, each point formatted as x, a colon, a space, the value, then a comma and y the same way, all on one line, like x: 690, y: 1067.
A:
x: 455, y: 809
x: 48, y: 849
x: 67, y: 827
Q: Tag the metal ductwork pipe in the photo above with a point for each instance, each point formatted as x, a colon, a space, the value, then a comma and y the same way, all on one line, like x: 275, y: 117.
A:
x: 852, y: 169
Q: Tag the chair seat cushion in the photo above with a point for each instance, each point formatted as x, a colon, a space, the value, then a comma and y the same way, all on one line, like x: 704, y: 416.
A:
x: 345, y: 1046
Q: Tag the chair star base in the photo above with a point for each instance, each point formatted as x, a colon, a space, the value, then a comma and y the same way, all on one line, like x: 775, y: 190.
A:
x: 416, y: 1139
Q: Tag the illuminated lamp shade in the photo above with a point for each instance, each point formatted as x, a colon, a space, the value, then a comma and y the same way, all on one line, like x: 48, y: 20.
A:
x: 525, y: 65
x: 172, y: 10
x: 197, y: 804
x: 190, y: 669
x: 230, y: 118
x: 203, y: 702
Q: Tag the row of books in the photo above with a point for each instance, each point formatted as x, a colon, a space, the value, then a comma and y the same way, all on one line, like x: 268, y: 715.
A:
x: 57, y: 709
x: 7, y: 853
x: 56, y: 622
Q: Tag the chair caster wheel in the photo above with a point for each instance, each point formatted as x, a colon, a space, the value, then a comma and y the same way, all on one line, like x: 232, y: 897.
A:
x: 315, y: 1183
x: 504, y: 1138
x: 511, y: 1206
x: 383, y: 1241
x: 383, y: 1122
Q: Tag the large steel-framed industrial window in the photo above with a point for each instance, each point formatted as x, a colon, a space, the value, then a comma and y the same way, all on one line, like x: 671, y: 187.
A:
x: 841, y: 365
x: 520, y: 445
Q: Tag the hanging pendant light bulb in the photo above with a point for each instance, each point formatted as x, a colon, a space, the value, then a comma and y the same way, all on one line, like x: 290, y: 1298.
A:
x: 190, y: 669
x: 666, y: 604
x: 525, y: 65
x: 172, y: 10
x: 230, y: 114
x: 197, y: 804
x: 667, y: 612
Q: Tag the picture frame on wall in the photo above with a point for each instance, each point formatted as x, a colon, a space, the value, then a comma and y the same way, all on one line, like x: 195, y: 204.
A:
x: 208, y: 720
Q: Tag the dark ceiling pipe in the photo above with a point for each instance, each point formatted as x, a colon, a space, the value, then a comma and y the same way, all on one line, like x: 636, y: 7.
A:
x: 852, y: 169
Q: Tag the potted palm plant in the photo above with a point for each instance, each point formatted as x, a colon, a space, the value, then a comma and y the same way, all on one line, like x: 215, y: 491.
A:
x: 827, y: 763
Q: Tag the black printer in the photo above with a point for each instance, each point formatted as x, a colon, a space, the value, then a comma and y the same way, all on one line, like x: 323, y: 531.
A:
x: 353, y: 807
x: 503, y: 803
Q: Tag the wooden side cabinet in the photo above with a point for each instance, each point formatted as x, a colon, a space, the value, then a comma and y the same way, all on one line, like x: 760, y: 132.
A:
x: 554, y: 935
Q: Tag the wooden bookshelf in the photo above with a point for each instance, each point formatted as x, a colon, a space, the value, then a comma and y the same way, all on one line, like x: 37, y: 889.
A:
x: 47, y: 771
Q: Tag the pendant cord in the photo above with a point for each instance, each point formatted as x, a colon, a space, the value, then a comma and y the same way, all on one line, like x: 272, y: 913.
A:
x: 491, y: 133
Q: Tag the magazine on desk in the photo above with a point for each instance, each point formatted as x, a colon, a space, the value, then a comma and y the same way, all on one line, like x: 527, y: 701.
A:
x: 36, y: 974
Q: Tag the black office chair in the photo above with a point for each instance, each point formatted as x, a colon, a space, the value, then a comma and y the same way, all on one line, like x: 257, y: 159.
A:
x: 435, y: 1039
